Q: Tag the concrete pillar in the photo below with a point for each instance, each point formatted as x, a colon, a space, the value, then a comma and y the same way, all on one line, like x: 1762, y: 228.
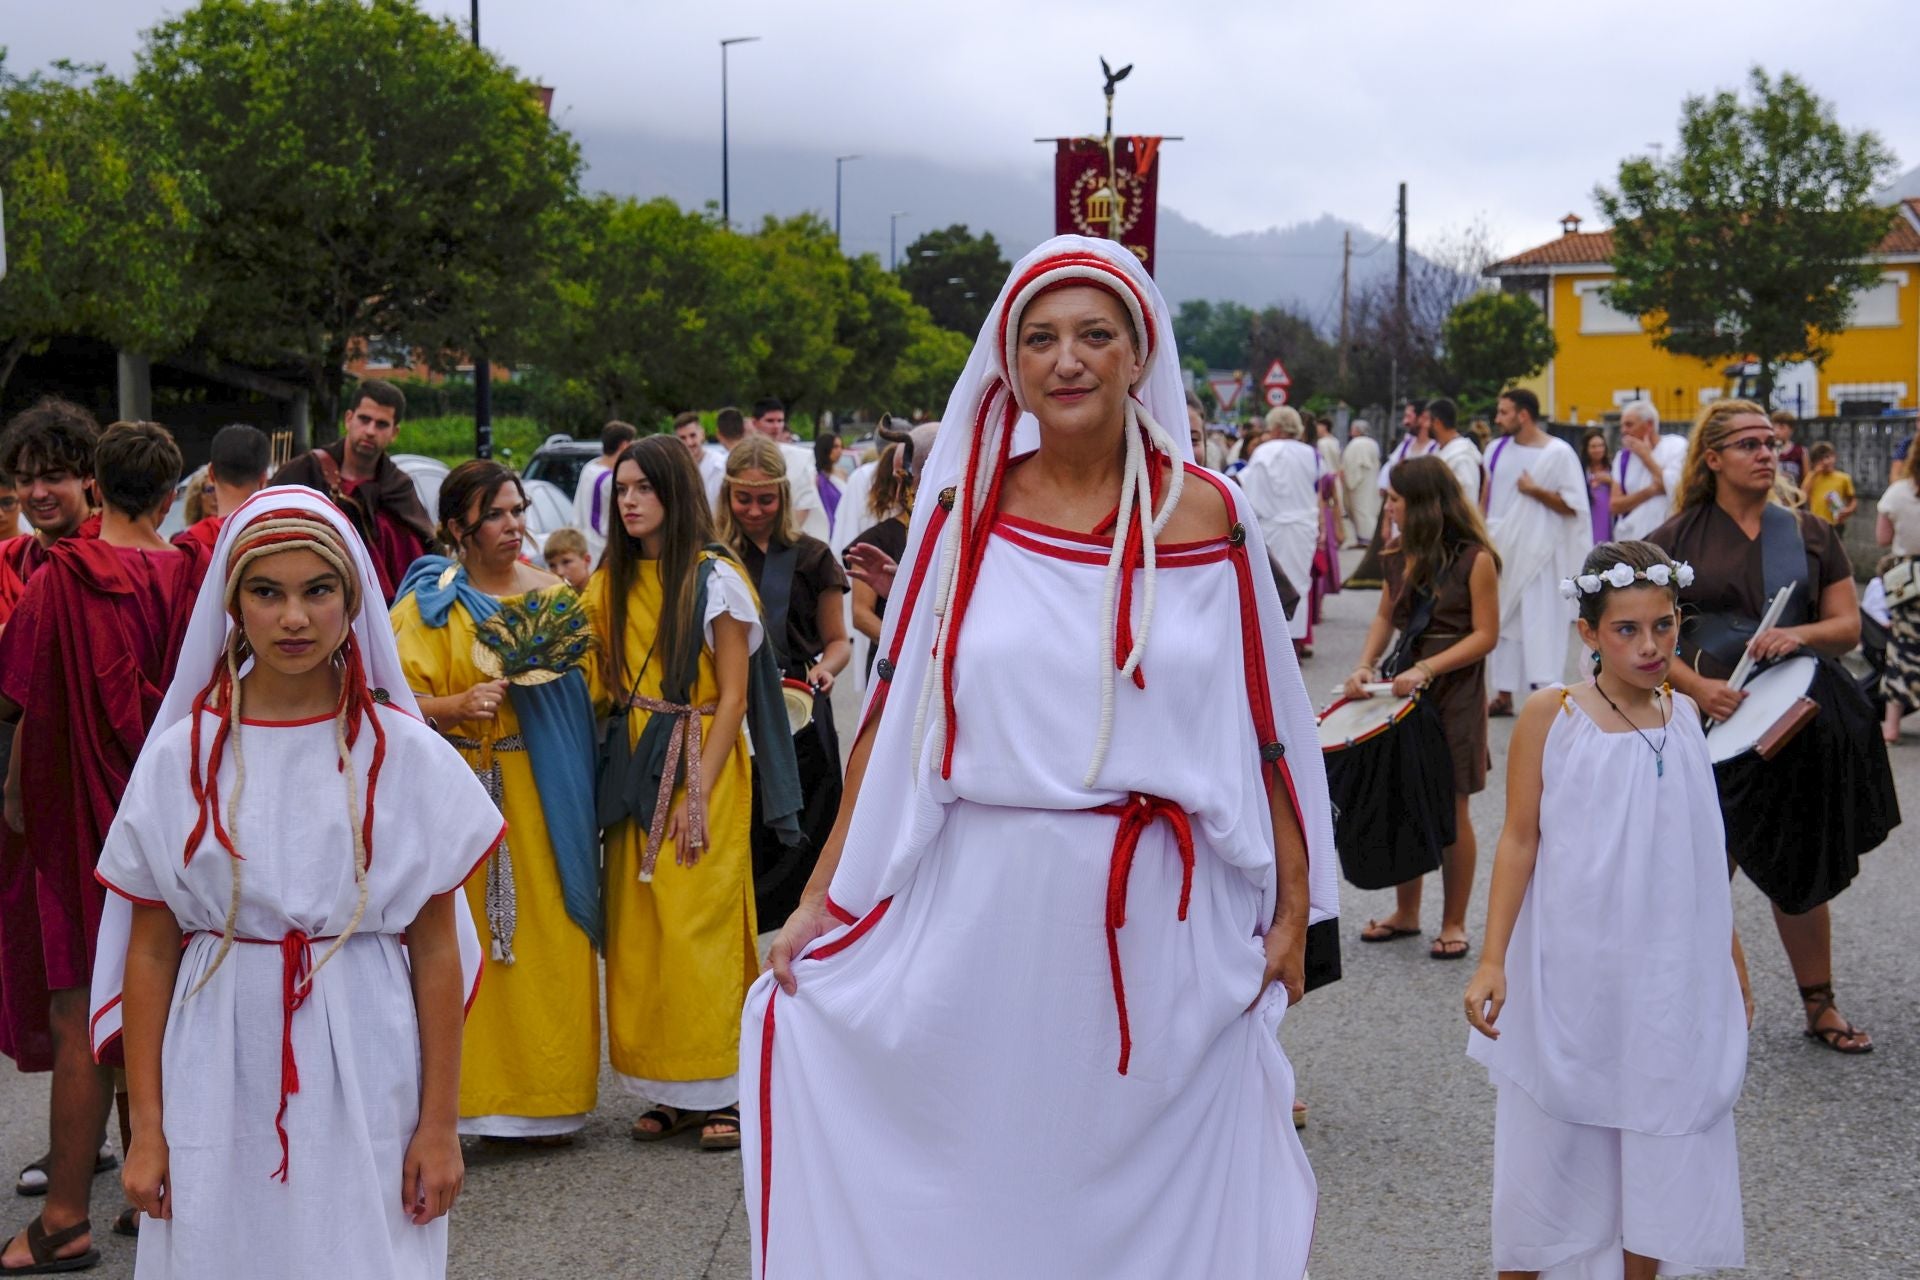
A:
x: 136, y: 387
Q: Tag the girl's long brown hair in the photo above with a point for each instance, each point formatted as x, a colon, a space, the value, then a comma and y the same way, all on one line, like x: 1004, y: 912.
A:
x: 685, y: 534
x: 888, y: 496
x: 1439, y: 522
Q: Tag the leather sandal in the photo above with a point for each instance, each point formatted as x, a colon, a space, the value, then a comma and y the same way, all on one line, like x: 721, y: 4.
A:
x: 1820, y: 997
x: 671, y: 1120
x: 727, y: 1121
x: 42, y: 1246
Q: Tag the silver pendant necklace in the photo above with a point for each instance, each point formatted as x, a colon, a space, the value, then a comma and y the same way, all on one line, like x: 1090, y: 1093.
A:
x: 1659, y: 752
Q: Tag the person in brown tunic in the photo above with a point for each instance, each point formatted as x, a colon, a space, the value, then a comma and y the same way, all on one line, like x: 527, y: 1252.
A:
x: 1443, y: 599
x: 1798, y: 823
x: 801, y: 588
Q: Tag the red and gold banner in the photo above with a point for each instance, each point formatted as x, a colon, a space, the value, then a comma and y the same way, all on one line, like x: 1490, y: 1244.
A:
x: 1121, y: 204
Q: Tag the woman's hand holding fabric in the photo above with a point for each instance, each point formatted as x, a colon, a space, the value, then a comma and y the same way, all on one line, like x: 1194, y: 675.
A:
x: 1286, y: 948
x: 1486, y: 994
x: 809, y: 920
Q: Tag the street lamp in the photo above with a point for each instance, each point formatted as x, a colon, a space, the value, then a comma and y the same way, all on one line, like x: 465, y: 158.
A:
x: 838, y: 161
x: 893, y: 223
x: 482, y: 367
x: 726, y: 204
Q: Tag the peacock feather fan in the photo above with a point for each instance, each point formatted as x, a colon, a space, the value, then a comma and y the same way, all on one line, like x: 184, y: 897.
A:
x: 538, y: 637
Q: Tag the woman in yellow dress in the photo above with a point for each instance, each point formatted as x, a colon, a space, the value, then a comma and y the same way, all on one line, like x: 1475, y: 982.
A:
x: 499, y: 654
x: 681, y: 633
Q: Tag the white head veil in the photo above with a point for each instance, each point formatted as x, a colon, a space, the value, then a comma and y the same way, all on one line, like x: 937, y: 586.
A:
x: 899, y: 810
x: 211, y: 625
x: 201, y: 653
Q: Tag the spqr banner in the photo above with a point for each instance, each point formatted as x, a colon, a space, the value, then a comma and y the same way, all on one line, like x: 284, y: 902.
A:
x: 1088, y: 201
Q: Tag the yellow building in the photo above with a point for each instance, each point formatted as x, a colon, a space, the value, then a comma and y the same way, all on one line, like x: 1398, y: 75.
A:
x: 1607, y: 358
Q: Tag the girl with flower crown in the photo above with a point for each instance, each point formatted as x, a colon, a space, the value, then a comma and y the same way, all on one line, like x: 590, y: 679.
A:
x: 499, y: 654
x: 290, y: 992
x: 1611, y: 998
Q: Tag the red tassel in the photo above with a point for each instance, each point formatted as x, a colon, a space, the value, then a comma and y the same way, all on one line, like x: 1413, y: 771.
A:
x: 296, y: 973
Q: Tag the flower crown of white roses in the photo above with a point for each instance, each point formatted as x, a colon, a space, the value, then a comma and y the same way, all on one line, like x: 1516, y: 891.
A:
x: 1624, y: 575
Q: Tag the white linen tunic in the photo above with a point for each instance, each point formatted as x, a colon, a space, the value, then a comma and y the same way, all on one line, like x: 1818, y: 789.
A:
x: 1538, y: 546
x: 942, y: 1097
x: 355, y: 1038
x: 1280, y: 482
x: 1623, y: 1041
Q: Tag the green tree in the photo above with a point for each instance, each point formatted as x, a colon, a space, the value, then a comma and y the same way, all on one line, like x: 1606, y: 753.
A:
x: 955, y: 275
x: 101, y: 219
x: 373, y: 174
x: 1492, y: 339
x: 1215, y: 333
x: 902, y: 362
x: 1751, y: 241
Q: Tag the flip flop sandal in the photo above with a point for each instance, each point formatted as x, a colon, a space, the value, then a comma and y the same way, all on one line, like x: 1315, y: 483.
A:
x: 1393, y: 932
x: 42, y: 1245
x: 671, y: 1120
x: 1443, y: 949
x: 33, y: 1179
x: 127, y: 1223
x: 728, y: 1139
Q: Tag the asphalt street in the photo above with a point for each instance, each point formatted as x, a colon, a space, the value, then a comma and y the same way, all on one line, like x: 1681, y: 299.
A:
x: 1400, y: 1131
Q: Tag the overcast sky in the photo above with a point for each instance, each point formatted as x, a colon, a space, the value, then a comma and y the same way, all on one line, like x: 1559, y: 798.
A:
x: 1507, y: 110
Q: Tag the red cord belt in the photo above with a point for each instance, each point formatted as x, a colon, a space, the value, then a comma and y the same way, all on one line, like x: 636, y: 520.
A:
x: 296, y: 976
x: 1137, y: 815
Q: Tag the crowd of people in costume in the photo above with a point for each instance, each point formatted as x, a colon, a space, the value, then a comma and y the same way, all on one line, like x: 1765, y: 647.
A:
x: 611, y: 790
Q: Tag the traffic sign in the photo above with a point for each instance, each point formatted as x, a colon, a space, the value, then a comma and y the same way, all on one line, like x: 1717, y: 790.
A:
x: 1277, y: 376
x: 1276, y: 396
x: 1227, y: 388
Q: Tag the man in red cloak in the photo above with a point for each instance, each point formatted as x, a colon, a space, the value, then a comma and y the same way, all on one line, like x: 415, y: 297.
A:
x: 367, y: 485
x: 84, y: 663
x: 237, y: 465
x: 46, y: 454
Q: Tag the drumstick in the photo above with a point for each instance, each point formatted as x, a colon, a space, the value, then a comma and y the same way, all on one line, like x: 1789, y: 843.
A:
x: 1372, y: 690
x: 1743, y: 670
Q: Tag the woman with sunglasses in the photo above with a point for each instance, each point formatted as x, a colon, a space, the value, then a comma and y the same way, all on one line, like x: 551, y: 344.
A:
x: 1798, y: 823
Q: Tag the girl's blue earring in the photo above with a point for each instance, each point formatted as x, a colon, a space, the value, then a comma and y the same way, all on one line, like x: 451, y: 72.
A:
x: 1596, y: 662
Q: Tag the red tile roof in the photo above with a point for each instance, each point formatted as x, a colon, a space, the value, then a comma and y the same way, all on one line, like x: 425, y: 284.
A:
x: 1595, y: 248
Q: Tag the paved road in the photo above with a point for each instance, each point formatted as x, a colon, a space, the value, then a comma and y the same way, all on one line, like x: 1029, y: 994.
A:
x: 1401, y: 1127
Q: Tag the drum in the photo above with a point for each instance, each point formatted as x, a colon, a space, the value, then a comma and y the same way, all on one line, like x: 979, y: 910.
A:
x: 799, y: 699
x: 1391, y: 782
x: 1772, y: 695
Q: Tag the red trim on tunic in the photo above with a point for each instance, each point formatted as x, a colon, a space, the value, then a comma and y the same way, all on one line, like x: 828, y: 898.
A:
x: 287, y: 724
x: 134, y: 898
x: 1186, y: 555
x: 94, y: 1024
x: 929, y: 543
x: 839, y: 912
x: 838, y: 945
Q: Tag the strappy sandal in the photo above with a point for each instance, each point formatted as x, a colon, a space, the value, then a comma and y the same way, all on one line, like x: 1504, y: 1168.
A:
x: 43, y: 1245
x: 1820, y: 996
x: 671, y: 1120
x: 127, y: 1223
x: 727, y: 1120
x: 33, y: 1178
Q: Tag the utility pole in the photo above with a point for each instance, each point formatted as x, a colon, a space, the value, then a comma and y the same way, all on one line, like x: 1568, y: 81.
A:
x: 838, y: 162
x: 726, y: 194
x: 482, y: 368
x: 1400, y: 306
x: 1346, y: 265
x: 893, y: 238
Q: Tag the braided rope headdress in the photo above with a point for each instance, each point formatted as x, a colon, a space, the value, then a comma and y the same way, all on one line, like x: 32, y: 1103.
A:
x: 992, y: 417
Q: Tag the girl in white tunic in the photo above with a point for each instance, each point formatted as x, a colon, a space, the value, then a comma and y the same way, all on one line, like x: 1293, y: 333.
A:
x: 1611, y: 997
x: 1023, y: 1022
x: 293, y: 1064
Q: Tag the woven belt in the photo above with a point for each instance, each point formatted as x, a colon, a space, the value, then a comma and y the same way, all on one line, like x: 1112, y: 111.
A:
x: 683, y: 747
x: 503, y: 902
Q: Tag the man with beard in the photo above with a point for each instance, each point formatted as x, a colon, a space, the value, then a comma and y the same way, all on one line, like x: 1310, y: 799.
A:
x: 367, y: 485
x: 712, y: 463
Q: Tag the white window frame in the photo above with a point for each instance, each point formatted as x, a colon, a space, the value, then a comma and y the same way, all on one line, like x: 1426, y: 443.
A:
x: 1881, y: 317
x: 1597, y: 312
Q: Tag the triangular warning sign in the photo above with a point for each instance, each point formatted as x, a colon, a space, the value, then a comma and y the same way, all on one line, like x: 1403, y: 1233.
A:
x: 1277, y: 376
